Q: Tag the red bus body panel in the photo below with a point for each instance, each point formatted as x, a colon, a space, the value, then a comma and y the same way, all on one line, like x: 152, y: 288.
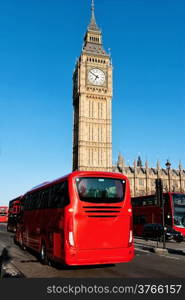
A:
x: 182, y: 230
x: 14, y: 211
x: 3, y: 214
x: 100, y: 239
x: 101, y: 235
x: 153, y: 214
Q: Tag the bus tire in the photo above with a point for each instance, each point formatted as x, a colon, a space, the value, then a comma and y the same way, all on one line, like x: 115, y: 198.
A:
x: 43, y: 254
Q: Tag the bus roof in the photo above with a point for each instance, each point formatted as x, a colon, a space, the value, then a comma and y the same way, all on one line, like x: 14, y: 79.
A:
x: 40, y: 185
x: 16, y: 199
x: 75, y: 174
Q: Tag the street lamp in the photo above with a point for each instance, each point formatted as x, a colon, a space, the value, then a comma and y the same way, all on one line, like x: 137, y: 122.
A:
x: 160, y: 200
x: 168, y: 165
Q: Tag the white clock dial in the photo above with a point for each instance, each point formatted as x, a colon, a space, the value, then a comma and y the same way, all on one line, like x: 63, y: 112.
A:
x: 96, y: 77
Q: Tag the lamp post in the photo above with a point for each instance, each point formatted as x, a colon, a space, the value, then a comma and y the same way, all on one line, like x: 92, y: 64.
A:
x: 168, y: 165
x: 160, y: 200
x: 180, y: 176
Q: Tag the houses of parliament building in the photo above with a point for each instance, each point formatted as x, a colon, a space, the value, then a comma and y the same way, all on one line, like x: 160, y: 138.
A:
x: 92, y: 122
x: 142, y: 178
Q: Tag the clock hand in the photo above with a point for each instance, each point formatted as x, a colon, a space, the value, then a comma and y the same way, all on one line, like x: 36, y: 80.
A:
x: 93, y: 74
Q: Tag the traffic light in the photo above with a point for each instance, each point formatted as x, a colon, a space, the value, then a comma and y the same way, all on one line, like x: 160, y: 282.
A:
x: 159, y: 191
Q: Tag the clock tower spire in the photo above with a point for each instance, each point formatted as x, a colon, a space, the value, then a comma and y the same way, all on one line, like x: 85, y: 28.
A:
x: 92, y: 102
x: 93, y: 24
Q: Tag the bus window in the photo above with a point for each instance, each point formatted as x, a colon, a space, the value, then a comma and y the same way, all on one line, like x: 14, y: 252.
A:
x: 100, y: 190
x: 45, y: 198
x: 59, y: 195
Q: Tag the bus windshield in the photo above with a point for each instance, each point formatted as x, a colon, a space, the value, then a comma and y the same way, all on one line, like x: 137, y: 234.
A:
x: 179, y: 210
x: 3, y: 212
x: 100, y: 190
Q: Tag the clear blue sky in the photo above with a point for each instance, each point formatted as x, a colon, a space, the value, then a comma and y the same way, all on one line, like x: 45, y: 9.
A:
x: 39, y: 43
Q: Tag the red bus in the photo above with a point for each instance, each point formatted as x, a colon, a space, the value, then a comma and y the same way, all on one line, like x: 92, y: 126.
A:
x: 14, y: 211
x: 83, y: 218
x: 3, y: 214
x: 146, y: 210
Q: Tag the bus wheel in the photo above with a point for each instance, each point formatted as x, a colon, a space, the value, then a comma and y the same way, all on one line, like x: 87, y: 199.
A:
x: 43, y: 255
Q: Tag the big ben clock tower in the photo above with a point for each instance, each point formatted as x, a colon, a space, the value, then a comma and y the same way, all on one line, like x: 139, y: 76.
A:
x: 92, y: 102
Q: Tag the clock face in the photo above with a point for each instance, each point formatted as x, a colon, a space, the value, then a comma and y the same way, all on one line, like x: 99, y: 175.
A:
x: 96, y: 77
